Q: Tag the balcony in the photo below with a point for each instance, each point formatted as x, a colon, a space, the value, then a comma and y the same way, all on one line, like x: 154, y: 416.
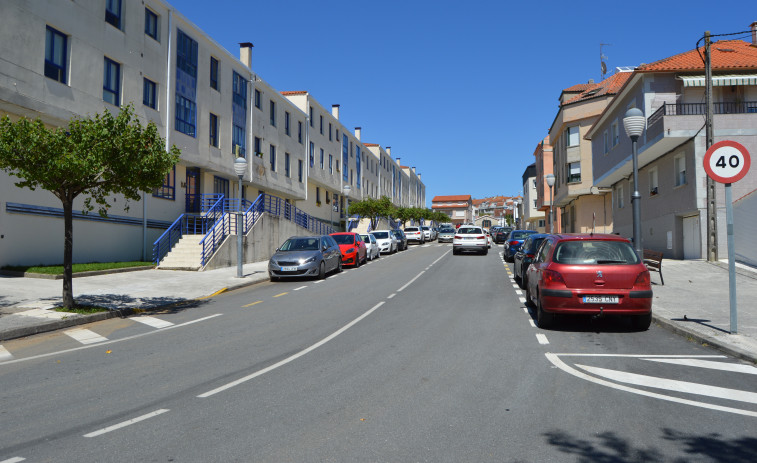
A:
x: 695, y: 109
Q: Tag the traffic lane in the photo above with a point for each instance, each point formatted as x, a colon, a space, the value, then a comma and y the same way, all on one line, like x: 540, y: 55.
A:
x: 158, y: 367
x: 413, y: 381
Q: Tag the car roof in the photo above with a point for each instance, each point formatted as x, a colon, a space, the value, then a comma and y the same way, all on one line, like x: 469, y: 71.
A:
x: 344, y: 233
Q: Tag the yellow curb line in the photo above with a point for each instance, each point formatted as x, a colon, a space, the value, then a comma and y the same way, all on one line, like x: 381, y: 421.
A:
x: 214, y: 294
x: 279, y: 295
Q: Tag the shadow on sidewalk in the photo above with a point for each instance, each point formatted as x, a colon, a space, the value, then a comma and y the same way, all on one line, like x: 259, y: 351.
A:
x: 700, y: 321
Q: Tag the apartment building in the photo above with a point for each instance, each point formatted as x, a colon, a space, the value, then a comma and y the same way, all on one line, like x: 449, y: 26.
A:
x: 458, y: 207
x: 672, y: 180
x: 532, y: 217
x: 66, y: 59
x: 543, y: 155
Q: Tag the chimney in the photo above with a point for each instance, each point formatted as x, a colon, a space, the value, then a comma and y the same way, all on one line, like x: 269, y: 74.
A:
x: 591, y: 81
x: 245, y: 53
x: 398, y: 162
x: 335, y: 111
x: 753, y: 26
x: 389, y: 150
x: 419, y: 176
x: 413, y: 169
x: 357, y: 132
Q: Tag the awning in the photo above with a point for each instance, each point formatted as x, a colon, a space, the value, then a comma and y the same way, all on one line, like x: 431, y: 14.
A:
x: 720, y: 81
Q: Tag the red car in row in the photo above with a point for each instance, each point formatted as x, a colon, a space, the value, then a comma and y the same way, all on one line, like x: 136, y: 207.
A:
x: 353, y: 248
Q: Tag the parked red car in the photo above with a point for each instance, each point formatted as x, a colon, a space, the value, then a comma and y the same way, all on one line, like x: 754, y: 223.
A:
x: 352, y: 247
x: 589, y: 274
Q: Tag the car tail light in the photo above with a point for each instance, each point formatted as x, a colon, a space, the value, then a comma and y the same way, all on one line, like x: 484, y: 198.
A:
x: 514, y: 243
x: 643, y: 279
x: 481, y: 237
x: 530, y: 256
x: 552, y: 277
x: 458, y: 237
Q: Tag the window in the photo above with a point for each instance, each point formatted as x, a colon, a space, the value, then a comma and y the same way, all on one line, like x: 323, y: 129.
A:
x: 337, y: 134
x: 214, y: 73
x: 321, y: 125
x: 151, y: 23
x: 575, y: 172
x: 679, y: 164
x: 615, y: 135
x: 113, y: 13
x: 606, y: 142
x: 318, y: 195
x: 287, y: 171
x: 258, y: 97
x: 149, y: 97
x: 168, y: 190
x: 311, y: 117
x: 258, y: 148
x: 272, y: 111
x: 213, y: 136
x: 299, y: 131
x: 328, y: 200
x: 571, y: 136
x: 221, y: 186
x: 287, y: 127
x: 299, y: 170
x: 312, y: 154
x: 322, y: 155
x: 238, y: 139
x: 273, y: 158
x: 185, y: 116
x: 330, y: 139
x: 331, y: 164
x: 541, y: 223
x: 186, y: 54
x: 653, y: 181
x: 619, y: 192
x: 112, y: 82
x: 55, y: 55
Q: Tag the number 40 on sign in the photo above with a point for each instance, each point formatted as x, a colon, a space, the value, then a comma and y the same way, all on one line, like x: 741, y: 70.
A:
x: 727, y: 161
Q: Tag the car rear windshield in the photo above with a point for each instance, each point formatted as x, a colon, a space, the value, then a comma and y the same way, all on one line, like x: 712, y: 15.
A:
x: 411, y: 229
x: 520, y: 235
x: 381, y: 235
x: 595, y: 252
x: 470, y: 231
x: 447, y: 230
x: 300, y: 244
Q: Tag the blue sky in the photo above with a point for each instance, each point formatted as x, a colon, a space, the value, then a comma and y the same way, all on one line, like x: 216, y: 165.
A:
x: 464, y: 91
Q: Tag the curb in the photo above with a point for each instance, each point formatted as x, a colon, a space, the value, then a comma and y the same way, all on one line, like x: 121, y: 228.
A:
x: 45, y: 276
x: 715, y: 343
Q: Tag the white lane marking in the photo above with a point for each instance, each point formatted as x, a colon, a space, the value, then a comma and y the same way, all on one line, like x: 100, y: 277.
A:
x: 531, y: 321
x: 541, y: 338
x: 152, y: 321
x: 321, y: 281
x: 301, y: 287
x: 85, y: 336
x: 126, y: 423
x: 112, y: 341
x: 646, y: 356
x: 525, y: 309
x: 13, y: 460
x: 292, y: 357
x: 391, y: 295
x: 673, y: 385
x: 4, y: 355
x: 522, y: 300
x: 519, y: 292
x: 554, y: 358
x: 735, y: 367
x: 411, y: 281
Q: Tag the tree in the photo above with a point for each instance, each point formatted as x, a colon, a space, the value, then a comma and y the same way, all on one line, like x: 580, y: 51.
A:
x: 98, y: 156
x: 373, y: 209
x: 404, y: 214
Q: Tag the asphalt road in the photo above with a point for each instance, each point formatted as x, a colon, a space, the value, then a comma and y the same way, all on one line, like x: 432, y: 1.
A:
x: 421, y: 356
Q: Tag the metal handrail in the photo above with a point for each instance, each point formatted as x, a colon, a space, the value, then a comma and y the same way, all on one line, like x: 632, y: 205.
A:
x: 696, y: 109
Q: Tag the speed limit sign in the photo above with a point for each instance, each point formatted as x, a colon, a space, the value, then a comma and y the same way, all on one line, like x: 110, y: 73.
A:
x: 727, y: 161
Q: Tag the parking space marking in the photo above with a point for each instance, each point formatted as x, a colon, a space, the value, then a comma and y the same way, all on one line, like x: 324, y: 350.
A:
x: 735, y: 367
x: 13, y: 460
x: 4, y: 355
x: 126, y: 423
x: 531, y: 321
x: 519, y: 292
x: 281, y: 294
x: 525, y: 309
x: 252, y: 303
x: 542, y: 339
x: 152, y: 321
x: 522, y: 300
x: 85, y: 336
x: 301, y: 287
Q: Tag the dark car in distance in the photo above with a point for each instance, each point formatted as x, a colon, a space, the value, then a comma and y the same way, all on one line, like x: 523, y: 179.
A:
x: 524, y: 256
x: 401, y: 239
x: 499, y: 235
x: 514, y: 241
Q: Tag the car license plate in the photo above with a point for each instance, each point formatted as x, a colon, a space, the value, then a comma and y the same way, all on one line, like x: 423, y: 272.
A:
x: 288, y: 269
x: 601, y: 299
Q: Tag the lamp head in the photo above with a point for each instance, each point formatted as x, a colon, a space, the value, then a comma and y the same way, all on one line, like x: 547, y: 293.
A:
x: 550, y: 180
x: 634, y: 122
x: 240, y: 166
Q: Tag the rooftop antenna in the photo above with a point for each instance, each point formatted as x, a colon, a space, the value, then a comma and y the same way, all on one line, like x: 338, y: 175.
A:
x: 602, y: 59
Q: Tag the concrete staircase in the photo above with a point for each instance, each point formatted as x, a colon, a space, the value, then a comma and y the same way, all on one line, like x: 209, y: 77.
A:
x: 185, y: 255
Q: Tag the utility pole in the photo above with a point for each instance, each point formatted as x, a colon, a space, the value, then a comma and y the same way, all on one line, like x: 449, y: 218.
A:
x: 712, y: 207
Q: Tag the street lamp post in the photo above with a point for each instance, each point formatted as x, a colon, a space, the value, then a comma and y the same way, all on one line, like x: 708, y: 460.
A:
x: 517, y: 213
x: 551, y: 182
x: 634, y: 123
x: 240, y: 167
x: 346, y: 190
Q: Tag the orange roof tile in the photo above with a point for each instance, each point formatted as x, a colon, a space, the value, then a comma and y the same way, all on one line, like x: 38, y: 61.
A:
x: 370, y: 144
x: 295, y: 92
x: 452, y: 198
x: 609, y: 86
x: 727, y: 55
x: 579, y: 88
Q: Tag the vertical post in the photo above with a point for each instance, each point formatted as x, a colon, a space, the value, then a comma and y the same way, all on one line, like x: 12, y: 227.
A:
x: 144, y: 227
x: 731, y: 258
x: 712, y: 209
x: 551, y: 215
x: 239, y: 230
x: 636, y: 199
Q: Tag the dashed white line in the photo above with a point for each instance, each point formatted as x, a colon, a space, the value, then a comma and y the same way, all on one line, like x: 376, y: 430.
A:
x: 301, y: 287
x: 519, y: 292
x: 5, y: 355
x: 522, y: 300
x: 391, y: 295
x: 126, y: 423
x: 531, y: 321
x: 13, y: 460
x: 85, y: 336
x: 525, y: 309
x: 541, y: 338
x: 411, y: 281
x: 152, y: 321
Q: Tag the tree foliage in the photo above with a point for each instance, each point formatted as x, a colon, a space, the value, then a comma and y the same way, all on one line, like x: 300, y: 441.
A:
x: 98, y: 156
x: 374, y: 209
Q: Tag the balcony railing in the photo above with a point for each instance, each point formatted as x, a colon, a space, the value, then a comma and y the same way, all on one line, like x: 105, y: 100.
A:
x: 694, y: 109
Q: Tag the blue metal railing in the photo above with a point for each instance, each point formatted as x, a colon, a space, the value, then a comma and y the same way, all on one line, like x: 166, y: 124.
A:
x: 189, y: 224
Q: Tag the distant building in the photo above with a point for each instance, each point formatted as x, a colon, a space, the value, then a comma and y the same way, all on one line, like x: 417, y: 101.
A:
x: 459, y: 208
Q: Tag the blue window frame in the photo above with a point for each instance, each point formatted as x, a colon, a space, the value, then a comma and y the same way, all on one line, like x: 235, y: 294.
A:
x: 287, y: 170
x: 287, y: 124
x: 273, y: 158
x: 151, y: 24
x: 237, y: 138
x: 258, y: 98
x: 300, y: 170
x: 258, y: 147
x: 272, y: 113
x: 239, y: 90
x: 299, y: 131
x: 213, y: 135
x: 168, y: 190
x: 186, y: 54
x: 185, y: 116
x: 112, y: 82
x: 56, y: 48
x: 149, y: 94
x: 214, y: 73
x: 321, y: 158
x: 113, y: 13
x: 221, y: 185
x: 312, y: 154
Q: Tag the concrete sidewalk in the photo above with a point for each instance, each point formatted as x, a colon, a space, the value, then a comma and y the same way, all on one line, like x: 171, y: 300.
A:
x: 693, y: 301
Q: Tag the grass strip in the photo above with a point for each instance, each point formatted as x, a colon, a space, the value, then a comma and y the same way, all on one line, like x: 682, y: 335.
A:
x: 58, y: 269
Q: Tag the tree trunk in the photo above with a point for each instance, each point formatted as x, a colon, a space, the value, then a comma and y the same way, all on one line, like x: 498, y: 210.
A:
x: 68, y: 254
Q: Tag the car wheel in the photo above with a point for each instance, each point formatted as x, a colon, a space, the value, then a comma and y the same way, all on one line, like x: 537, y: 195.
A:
x: 273, y: 278
x: 339, y: 267
x: 529, y: 302
x: 357, y: 260
x: 543, y: 319
x: 486, y: 251
x: 322, y: 271
x: 641, y: 322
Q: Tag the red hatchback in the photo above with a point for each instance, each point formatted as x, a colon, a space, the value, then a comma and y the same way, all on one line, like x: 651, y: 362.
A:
x: 589, y: 274
x: 352, y: 247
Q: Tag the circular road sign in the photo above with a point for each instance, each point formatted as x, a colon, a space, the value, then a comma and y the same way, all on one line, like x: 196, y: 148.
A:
x: 727, y: 161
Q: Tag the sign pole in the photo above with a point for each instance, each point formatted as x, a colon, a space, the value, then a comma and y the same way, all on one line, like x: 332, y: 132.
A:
x: 731, y: 258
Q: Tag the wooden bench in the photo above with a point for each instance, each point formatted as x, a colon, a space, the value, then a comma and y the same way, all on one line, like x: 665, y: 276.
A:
x: 653, y: 261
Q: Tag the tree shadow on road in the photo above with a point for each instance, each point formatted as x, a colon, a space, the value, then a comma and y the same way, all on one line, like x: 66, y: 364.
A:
x: 608, y: 447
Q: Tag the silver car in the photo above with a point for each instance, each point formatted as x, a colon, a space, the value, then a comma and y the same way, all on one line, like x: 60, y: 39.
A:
x: 446, y: 234
x: 305, y: 256
x: 372, y: 250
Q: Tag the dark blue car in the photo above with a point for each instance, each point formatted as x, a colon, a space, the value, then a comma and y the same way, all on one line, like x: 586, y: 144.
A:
x: 514, y: 241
